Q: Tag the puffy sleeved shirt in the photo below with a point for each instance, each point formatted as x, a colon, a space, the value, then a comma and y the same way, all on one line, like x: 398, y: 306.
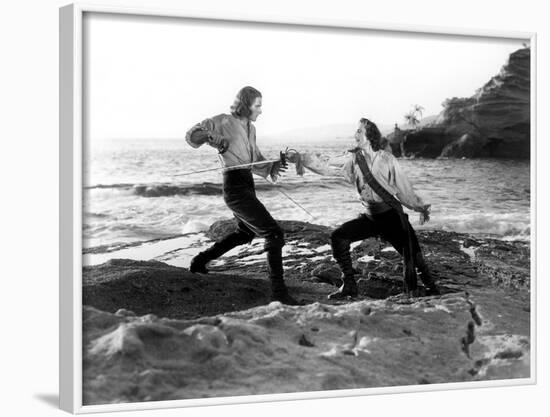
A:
x: 241, y: 138
x: 384, y: 167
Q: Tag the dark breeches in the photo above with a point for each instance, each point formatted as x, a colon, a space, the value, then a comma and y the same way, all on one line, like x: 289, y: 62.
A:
x: 252, y: 217
x: 253, y: 220
x: 386, y: 225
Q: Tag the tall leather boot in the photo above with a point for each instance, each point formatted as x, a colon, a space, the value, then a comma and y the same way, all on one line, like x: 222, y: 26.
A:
x: 279, y: 291
x: 340, y: 251
x: 425, y: 275
x: 198, y: 263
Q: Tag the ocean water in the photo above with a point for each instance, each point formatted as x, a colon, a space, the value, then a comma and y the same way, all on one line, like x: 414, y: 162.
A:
x: 134, y: 191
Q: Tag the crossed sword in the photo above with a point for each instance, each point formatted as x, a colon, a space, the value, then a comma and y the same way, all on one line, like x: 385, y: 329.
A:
x: 228, y: 168
x: 251, y: 164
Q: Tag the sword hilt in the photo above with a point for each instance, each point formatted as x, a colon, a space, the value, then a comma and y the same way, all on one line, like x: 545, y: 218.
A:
x: 283, y: 158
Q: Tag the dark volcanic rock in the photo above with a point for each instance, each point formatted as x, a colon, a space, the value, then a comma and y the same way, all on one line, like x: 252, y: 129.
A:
x: 152, y: 287
x: 499, y: 263
x: 152, y: 331
x: 460, y: 262
x: 293, y: 230
x: 328, y: 273
x: 427, y: 142
x: 493, y: 123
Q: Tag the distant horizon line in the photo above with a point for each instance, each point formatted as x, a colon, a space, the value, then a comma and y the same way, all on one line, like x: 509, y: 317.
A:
x: 183, y: 138
x: 270, y: 136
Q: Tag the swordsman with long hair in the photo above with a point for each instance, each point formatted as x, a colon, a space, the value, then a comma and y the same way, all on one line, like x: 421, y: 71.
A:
x: 383, y: 189
x: 234, y: 136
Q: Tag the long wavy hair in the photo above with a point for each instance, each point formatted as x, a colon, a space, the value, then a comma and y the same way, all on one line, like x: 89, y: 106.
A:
x: 373, y: 134
x: 243, y: 101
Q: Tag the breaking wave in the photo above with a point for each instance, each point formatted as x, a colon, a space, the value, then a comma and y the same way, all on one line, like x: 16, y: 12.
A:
x: 510, y: 226
x: 163, y: 190
x: 204, y: 188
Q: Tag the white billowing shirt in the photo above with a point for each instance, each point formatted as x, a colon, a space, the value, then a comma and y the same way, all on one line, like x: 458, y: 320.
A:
x: 384, y: 167
x: 241, y: 138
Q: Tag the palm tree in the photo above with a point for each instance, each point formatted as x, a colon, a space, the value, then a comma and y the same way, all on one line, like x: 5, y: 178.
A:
x: 413, y: 117
x: 417, y: 108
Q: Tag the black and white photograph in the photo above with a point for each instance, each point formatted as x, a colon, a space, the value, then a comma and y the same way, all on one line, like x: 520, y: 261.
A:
x: 275, y: 208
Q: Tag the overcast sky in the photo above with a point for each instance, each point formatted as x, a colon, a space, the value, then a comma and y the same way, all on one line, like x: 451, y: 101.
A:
x: 155, y: 77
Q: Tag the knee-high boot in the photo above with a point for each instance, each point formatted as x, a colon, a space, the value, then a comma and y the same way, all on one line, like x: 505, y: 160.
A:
x: 198, y: 263
x: 340, y: 251
x: 425, y: 275
x: 279, y: 291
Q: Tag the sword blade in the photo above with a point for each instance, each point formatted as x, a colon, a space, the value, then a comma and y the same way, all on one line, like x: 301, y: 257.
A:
x: 295, y: 202
x: 227, y: 168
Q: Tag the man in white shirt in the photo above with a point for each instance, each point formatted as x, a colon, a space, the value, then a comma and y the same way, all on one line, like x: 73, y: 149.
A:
x: 235, y: 135
x: 380, y: 219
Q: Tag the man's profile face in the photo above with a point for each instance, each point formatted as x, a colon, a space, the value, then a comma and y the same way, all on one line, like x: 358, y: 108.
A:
x: 360, y: 137
x: 255, y: 109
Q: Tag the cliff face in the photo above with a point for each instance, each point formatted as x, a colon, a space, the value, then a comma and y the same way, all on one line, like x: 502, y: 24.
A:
x: 494, y: 122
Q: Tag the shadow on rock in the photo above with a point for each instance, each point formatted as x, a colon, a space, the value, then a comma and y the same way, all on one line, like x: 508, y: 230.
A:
x: 151, y: 287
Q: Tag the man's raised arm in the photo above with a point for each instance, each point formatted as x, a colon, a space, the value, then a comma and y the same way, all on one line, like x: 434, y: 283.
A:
x: 203, y: 132
x: 322, y: 165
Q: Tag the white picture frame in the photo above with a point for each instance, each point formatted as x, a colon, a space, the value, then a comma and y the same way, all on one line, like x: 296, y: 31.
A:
x: 71, y: 148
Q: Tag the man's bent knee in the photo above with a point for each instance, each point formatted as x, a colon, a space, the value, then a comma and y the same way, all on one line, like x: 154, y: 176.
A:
x: 241, y: 238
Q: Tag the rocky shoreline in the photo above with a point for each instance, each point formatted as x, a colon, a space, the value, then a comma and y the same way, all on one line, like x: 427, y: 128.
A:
x: 154, y: 331
x: 492, y: 123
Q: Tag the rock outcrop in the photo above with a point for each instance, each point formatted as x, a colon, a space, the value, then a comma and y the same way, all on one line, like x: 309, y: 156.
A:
x: 493, y: 123
x: 153, y: 331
